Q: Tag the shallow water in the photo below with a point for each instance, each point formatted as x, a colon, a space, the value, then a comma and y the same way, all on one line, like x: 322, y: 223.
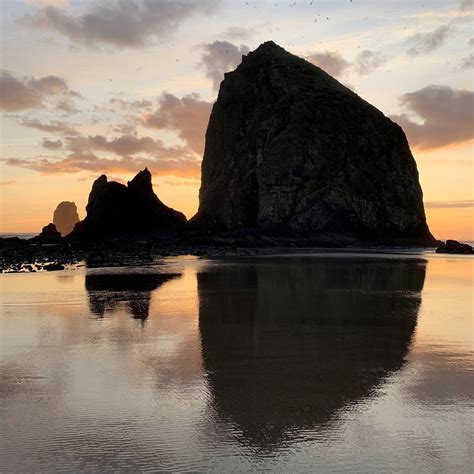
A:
x: 329, y: 362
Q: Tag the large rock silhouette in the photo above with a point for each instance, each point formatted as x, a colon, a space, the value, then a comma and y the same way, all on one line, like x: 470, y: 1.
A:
x: 65, y: 217
x: 115, y: 209
x: 290, y: 149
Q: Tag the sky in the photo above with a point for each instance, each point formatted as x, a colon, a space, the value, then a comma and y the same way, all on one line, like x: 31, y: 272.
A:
x: 90, y: 87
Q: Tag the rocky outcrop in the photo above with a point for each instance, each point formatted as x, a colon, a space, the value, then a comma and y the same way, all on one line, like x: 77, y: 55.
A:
x: 453, y: 246
x: 291, y: 150
x: 49, y: 234
x: 65, y: 217
x: 116, y: 209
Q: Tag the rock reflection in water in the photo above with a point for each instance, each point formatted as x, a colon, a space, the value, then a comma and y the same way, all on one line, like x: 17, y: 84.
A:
x: 285, y: 348
x: 107, y: 291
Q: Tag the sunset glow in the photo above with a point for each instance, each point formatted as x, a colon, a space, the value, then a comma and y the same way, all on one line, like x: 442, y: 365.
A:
x: 79, y: 101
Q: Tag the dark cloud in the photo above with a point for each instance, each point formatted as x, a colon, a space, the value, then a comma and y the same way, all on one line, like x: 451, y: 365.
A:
x: 120, y: 23
x: 188, y: 117
x: 471, y: 42
x: 449, y: 204
x: 51, y: 144
x: 219, y: 57
x: 367, y: 61
x: 330, y: 61
x: 422, y: 43
x: 55, y: 126
x: 29, y: 93
x: 447, y: 116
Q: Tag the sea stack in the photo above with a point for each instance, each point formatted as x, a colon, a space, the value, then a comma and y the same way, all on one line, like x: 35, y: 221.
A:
x: 116, y: 209
x: 291, y: 150
x: 65, y: 217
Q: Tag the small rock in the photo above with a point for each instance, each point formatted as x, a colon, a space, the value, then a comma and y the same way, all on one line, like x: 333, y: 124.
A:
x: 51, y: 267
x: 453, y: 246
x: 49, y: 234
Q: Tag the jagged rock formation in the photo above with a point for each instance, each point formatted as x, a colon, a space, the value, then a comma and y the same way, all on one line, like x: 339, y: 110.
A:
x: 114, y: 208
x: 65, y: 217
x: 49, y: 234
x: 453, y: 246
x: 290, y: 149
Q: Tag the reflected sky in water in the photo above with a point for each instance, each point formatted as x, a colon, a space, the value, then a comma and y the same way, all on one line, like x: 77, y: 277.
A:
x: 295, y: 363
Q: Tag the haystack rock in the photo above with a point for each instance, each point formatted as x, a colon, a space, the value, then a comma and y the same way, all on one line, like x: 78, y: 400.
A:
x: 114, y: 208
x: 290, y: 149
x: 65, y: 217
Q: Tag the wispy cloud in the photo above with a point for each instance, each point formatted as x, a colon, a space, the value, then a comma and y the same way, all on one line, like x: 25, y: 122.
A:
x: 7, y: 182
x: 423, y: 43
x: 449, y: 204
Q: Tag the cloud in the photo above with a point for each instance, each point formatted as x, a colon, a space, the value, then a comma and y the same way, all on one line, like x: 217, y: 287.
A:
x: 466, y: 5
x: 131, y: 104
x: 119, y: 23
x: 330, y: 61
x: 238, y: 33
x: 367, y: 61
x: 29, y: 93
x: 449, y: 204
x: 7, y: 182
x: 467, y: 62
x: 125, y: 129
x: 51, y: 144
x: 76, y: 162
x: 189, y: 182
x: 219, y: 57
x: 131, y: 153
x: 188, y: 117
x: 67, y: 105
x: 55, y: 126
x: 447, y: 116
x: 423, y: 43
x: 125, y: 145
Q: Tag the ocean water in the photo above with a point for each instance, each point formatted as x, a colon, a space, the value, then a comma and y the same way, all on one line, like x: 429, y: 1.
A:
x: 301, y: 362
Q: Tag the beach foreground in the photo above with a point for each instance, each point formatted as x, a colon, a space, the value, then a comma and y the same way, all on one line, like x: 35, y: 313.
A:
x: 298, y: 362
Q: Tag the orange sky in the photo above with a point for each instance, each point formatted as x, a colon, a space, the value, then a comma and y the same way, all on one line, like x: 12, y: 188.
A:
x: 115, y: 101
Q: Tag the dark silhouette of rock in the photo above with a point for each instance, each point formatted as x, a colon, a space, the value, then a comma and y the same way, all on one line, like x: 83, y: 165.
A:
x: 293, y: 349
x: 114, y: 208
x: 49, y: 234
x: 65, y: 217
x: 53, y: 267
x: 453, y: 246
x: 290, y: 149
x: 107, y: 291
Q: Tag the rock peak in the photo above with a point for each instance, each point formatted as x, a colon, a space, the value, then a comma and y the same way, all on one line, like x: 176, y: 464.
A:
x: 294, y: 150
x: 141, y: 182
